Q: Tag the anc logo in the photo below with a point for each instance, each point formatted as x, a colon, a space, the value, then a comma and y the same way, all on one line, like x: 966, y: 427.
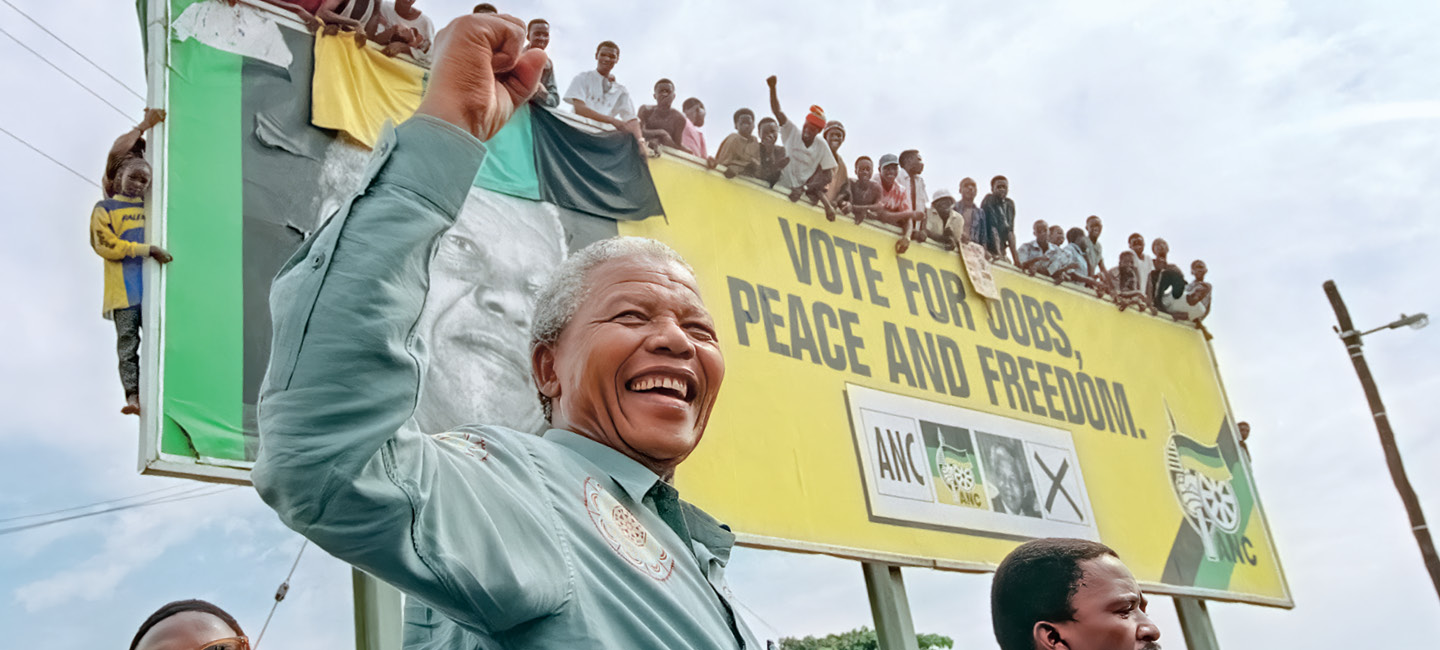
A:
x: 1202, y: 482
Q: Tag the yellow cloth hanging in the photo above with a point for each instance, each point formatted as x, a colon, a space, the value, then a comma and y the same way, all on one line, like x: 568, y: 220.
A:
x: 356, y: 89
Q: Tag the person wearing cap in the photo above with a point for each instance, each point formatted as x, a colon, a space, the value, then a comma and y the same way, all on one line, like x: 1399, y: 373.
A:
x: 834, y: 135
x: 895, y: 206
x: 939, y: 214
x: 692, y: 139
x: 812, y: 163
x: 739, y: 152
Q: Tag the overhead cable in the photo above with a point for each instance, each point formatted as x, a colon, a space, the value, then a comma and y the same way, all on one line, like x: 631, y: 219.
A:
x: 172, y: 488
x: 280, y: 594
x: 183, y: 496
x: 72, y: 49
x: 50, y: 158
x: 88, y: 89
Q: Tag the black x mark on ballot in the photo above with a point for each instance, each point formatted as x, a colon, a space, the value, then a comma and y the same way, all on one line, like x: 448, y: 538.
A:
x: 1056, y: 487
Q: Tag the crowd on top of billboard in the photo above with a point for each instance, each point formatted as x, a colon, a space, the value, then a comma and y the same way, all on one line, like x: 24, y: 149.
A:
x: 803, y: 160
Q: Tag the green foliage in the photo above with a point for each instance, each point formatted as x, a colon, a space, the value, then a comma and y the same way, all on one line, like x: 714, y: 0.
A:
x: 861, y: 639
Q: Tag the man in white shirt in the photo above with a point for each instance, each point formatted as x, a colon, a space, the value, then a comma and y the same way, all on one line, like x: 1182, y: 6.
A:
x: 595, y: 93
x: 811, y: 162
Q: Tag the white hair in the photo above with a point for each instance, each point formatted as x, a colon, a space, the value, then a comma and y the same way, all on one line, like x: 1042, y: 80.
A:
x: 567, y: 287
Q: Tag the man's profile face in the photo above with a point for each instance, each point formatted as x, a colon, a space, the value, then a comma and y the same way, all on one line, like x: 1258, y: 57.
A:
x: 834, y: 138
x: 1109, y: 610
x: 968, y: 191
x: 605, y: 60
x: 1000, y: 188
x: 745, y: 124
x: 664, y: 94
x: 476, y: 320
x: 539, y: 36
x: 638, y: 367
x: 914, y: 165
x: 696, y: 114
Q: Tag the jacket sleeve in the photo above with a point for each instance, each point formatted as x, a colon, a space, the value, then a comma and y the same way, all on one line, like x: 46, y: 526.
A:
x: 340, y: 460
x: 109, y: 245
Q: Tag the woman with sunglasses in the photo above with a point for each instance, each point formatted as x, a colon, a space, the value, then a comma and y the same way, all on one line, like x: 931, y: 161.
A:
x: 190, y: 625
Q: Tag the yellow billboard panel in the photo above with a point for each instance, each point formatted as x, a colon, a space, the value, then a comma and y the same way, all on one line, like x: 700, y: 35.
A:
x: 877, y: 408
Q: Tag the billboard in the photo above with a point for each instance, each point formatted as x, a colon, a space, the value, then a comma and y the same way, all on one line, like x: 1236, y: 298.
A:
x: 876, y: 405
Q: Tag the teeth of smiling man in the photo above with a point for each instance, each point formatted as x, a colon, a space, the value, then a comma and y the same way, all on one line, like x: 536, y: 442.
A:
x: 651, y: 383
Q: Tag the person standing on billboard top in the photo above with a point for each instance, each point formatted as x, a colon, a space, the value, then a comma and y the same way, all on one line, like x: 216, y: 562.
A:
x: 572, y: 539
x: 117, y: 234
x: 1068, y: 594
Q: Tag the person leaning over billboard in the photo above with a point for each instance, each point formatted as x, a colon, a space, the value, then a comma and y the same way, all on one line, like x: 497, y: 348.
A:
x: 1074, y: 594
x: 573, y: 539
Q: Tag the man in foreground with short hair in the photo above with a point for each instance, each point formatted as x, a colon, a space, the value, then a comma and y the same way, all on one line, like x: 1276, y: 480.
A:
x: 596, y: 95
x: 573, y: 539
x: 1033, y: 255
x: 1068, y: 594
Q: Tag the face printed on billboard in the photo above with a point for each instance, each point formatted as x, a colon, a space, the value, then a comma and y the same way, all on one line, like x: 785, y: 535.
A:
x: 484, y: 277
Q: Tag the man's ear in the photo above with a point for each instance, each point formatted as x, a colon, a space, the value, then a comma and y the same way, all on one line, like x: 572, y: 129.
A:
x: 542, y: 369
x: 1047, y: 637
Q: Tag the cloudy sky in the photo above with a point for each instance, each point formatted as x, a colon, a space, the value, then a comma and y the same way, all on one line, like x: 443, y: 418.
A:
x: 1284, y: 143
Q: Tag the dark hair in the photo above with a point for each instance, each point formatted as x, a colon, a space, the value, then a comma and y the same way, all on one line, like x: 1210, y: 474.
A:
x: 865, y: 158
x: 536, y: 21
x: 689, y: 103
x: 485, y: 8
x: 998, y: 178
x: 908, y: 153
x: 743, y: 111
x: 605, y: 44
x: 180, y: 607
x: 771, y: 120
x: 663, y: 80
x: 1074, y: 234
x: 1034, y: 583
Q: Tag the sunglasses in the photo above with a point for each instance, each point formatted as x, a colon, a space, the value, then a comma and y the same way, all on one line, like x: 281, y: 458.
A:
x: 232, y: 643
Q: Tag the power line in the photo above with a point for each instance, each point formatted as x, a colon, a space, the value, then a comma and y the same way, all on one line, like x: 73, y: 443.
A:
x: 88, y: 89
x: 50, y: 158
x: 72, y: 49
x: 171, y: 488
x: 183, y: 496
x: 280, y: 594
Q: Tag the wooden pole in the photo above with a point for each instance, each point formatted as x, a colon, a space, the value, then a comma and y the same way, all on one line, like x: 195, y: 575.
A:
x: 1351, y: 337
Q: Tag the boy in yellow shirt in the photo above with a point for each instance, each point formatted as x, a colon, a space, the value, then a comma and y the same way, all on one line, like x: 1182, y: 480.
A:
x: 117, y: 233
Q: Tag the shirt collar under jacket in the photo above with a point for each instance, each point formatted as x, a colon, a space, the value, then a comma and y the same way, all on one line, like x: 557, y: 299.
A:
x: 634, y: 478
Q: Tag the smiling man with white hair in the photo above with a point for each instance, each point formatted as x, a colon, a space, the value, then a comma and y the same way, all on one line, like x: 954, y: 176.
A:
x: 571, y: 539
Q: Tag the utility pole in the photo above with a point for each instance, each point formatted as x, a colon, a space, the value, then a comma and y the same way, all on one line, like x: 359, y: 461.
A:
x: 1351, y: 338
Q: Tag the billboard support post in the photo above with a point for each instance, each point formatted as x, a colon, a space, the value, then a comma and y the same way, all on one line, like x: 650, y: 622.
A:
x: 886, y: 587
x: 1195, y: 624
x: 379, y: 613
x: 1351, y: 337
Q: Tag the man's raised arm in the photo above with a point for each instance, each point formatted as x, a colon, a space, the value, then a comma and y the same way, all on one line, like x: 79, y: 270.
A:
x: 775, y: 101
x: 337, y: 460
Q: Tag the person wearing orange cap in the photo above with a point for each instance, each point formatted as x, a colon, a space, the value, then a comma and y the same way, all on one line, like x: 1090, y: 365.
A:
x: 812, y: 164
